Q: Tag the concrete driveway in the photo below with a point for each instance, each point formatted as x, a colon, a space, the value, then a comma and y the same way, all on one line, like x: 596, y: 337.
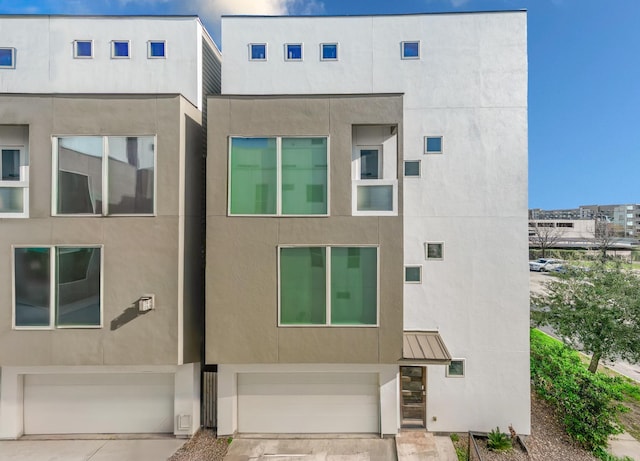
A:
x: 312, y: 449
x: 89, y: 450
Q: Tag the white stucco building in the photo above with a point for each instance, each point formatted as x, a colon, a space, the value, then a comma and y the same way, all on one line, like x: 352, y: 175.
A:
x: 463, y: 195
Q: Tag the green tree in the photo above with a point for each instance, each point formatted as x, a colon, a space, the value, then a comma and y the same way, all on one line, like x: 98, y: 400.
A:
x: 596, y: 311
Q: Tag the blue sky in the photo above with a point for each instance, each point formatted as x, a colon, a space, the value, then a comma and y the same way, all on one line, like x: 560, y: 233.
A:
x: 584, y: 79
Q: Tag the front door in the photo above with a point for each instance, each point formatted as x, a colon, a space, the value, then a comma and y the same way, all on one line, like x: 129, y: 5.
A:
x: 413, y: 393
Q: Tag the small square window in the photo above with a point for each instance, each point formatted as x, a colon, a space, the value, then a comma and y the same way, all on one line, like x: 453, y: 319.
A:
x: 455, y: 369
x: 433, y: 144
x: 410, y: 50
x: 329, y: 52
x: 412, y: 168
x: 83, y: 49
x: 258, y: 51
x: 8, y: 58
x: 434, y: 250
x: 293, y: 52
x: 156, y: 49
x: 413, y: 274
x: 120, y: 49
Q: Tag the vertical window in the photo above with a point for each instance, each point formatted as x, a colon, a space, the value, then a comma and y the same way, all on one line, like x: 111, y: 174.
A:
x: 293, y: 52
x: 328, y: 51
x: 413, y: 274
x: 14, y: 182
x: 120, y: 49
x: 371, y: 163
x: 258, y: 51
x: 455, y: 369
x: 433, y: 144
x: 7, y: 58
x: 156, y: 49
x: 83, y: 49
x: 328, y: 286
x: 410, y: 50
x: 57, y: 287
x: 434, y: 250
x: 278, y: 176
x: 105, y: 175
x: 412, y: 168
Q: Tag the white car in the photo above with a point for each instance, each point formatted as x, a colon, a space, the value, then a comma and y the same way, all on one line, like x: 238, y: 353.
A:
x: 538, y: 264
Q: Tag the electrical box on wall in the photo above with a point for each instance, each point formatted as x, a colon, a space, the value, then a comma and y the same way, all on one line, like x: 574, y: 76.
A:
x: 146, y: 303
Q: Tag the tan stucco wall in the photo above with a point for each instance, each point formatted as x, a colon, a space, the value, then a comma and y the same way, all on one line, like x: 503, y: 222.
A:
x: 140, y: 254
x: 241, y: 278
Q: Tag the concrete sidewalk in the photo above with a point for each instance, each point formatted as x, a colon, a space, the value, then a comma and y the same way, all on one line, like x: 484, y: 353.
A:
x: 624, y: 444
x: 89, y: 450
x: 424, y: 446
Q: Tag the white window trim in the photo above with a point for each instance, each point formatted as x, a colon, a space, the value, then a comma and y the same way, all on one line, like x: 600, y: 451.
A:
x: 105, y: 178
x: 337, y: 45
x: 53, y: 289
x: 13, y: 57
x: 328, y: 323
x: 286, y: 55
x: 266, y: 52
x: 410, y: 57
x: 433, y: 152
x: 426, y: 251
x: 75, y: 49
x: 413, y: 282
x: 404, y: 171
x: 279, y: 179
x: 380, y: 162
x: 464, y: 369
x: 149, y: 56
x: 113, y: 49
x: 23, y: 183
x: 374, y: 182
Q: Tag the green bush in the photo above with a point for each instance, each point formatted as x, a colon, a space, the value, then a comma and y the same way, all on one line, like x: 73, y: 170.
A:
x: 587, y: 403
x: 498, y: 441
x: 454, y: 437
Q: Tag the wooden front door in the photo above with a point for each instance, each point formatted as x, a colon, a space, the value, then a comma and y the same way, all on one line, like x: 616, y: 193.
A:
x: 413, y: 382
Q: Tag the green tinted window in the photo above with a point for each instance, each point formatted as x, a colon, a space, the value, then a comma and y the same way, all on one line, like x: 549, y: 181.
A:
x: 304, y: 176
x: 253, y: 176
x: 303, y: 276
x: 354, y: 286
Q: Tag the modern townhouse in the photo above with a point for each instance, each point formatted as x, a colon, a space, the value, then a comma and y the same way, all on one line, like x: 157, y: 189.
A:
x: 366, y: 224
x: 101, y: 278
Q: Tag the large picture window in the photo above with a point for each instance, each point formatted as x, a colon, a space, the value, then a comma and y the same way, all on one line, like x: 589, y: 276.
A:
x: 329, y: 286
x: 105, y: 175
x: 278, y: 176
x: 57, y: 287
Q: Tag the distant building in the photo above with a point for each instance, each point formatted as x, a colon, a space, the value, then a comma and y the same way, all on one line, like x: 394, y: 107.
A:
x: 625, y: 218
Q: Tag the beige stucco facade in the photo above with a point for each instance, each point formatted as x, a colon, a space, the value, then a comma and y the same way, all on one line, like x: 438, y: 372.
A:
x: 242, y: 276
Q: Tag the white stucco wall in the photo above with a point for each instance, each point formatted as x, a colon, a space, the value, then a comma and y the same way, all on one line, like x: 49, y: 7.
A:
x: 469, y: 86
x: 45, y: 62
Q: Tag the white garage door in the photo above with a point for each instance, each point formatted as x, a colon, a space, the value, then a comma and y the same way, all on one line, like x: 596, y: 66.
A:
x: 308, y: 402
x: 98, y: 403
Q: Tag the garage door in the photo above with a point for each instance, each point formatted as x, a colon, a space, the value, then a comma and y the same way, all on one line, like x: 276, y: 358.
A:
x: 98, y: 403
x: 308, y: 402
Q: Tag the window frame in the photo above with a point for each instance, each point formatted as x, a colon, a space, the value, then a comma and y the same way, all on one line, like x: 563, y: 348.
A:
x: 380, y: 150
x: 104, y: 176
x: 164, y: 49
x: 322, y: 45
x: 22, y: 183
x: 75, y: 49
x: 113, y: 49
x: 13, y: 57
x: 403, y: 55
x: 426, y: 251
x: 464, y: 369
x: 413, y: 266
x: 279, y: 212
x: 433, y: 152
x: 53, y: 288
x: 266, y: 54
x: 286, y: 52
x: 404, y: 169
x: 327, y: 323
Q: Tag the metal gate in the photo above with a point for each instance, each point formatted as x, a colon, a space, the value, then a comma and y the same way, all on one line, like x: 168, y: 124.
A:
x: 209, y: 387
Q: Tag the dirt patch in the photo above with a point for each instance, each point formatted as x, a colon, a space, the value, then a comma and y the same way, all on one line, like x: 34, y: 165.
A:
x: 204, y: 446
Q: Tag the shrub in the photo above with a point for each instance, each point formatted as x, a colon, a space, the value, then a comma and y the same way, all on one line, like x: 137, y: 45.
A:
x: 454, y: 437
x: 498, y: 441
x: 587, y: 403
